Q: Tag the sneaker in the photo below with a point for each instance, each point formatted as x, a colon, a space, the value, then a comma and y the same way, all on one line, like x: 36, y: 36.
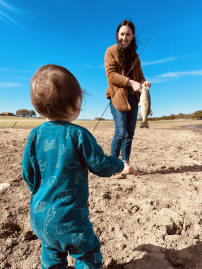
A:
x: 128, y: 170
x: 119, y: 175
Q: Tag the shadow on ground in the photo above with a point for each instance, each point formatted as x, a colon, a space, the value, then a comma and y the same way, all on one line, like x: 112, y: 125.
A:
x: 173, y: 170
x: 160, y: 258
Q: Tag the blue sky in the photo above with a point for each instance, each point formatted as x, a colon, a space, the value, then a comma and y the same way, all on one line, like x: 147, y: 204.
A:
x: 76, y: 34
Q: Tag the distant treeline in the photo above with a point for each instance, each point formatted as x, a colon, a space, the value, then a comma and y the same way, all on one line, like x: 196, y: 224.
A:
x: 196, y: 115
x: 100, y: 119
x: 20, y: 113
x: 25, y: 113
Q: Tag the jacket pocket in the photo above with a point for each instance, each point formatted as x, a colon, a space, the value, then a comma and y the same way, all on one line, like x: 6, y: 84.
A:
x: 120, y: 100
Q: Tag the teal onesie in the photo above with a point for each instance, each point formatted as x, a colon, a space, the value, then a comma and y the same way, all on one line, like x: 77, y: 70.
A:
x: 57, y: 158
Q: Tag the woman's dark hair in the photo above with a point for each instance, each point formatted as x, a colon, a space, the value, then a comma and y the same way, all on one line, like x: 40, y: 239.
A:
x: 55, y: 90
x: 127, y: 55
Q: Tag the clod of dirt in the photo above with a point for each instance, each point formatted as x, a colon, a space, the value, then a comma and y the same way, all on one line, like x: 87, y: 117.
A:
x: 29, y: 235
x: 107, y: 196
x: 10, y: 229
x: 4, y: 186
x: 171, y: 221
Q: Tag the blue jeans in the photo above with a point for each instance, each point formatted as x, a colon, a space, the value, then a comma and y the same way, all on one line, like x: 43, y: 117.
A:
x: 125, y: 123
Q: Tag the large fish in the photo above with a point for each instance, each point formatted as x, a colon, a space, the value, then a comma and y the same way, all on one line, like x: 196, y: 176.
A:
x: 145, y: 103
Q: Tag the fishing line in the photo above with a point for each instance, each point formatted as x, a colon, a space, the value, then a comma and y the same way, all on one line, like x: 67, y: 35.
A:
x: 133, y: 65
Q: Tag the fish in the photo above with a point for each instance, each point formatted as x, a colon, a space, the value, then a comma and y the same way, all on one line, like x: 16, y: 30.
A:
x: 145, y: 103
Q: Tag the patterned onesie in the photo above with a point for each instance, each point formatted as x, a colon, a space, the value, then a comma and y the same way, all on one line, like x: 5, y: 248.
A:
x: 57, y: 157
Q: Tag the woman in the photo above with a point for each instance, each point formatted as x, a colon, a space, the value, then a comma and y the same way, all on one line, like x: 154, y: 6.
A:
x: 125, y: 81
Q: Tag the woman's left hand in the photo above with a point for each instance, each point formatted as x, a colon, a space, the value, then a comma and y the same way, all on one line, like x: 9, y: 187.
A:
x: 147, y: 84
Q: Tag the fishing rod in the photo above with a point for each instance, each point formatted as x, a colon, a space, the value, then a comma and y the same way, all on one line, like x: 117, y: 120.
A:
x: 133, y: 65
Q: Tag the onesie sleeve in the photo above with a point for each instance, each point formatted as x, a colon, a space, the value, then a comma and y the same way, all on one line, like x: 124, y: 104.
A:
x: 27, y: 168
x: 94, y: 157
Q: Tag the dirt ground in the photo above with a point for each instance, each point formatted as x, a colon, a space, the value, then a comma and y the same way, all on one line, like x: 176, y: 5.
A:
x: 152, y: 221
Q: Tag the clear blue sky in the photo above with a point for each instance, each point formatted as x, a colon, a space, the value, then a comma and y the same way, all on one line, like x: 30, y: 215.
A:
x: 76, y: 34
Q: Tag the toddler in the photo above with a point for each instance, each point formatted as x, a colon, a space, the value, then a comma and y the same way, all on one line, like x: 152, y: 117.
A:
x: 57, y: 157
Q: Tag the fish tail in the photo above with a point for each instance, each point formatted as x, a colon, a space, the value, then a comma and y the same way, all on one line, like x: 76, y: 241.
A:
x: 144, y: 125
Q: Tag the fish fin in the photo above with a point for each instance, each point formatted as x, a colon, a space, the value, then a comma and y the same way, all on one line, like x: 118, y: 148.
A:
x: 144, y: 125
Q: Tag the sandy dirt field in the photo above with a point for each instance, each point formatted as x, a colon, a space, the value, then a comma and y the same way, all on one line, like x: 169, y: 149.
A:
x: 152, y: 221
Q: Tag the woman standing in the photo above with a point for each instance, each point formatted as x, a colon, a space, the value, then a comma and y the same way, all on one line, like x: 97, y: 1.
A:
x: 125, y: 80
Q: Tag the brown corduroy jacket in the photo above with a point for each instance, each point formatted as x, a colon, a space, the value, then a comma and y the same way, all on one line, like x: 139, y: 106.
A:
x: 117, y: 81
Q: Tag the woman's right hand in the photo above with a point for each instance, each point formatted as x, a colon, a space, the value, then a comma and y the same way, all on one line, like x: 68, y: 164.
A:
x: 137, y: 87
